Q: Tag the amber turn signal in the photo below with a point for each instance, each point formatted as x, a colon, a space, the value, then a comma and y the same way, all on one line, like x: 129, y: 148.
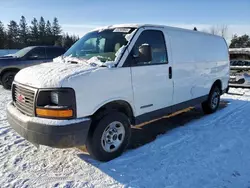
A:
x: 54, y: 113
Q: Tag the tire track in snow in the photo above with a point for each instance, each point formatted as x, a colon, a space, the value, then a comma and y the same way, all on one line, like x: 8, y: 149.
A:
x: 176, y: 142
x: 42, y: 181
x: 4, y: 127
x: 224, y: 114
x: 186, y: 137
x: 5, y: 131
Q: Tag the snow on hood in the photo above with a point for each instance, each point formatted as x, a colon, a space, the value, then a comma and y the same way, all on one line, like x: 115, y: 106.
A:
x: 52, y: 74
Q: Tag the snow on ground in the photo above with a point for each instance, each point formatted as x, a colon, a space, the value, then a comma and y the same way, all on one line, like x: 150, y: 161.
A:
x: 207, y: 151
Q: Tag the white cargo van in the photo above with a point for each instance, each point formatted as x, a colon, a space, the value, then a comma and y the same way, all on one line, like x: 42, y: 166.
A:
x: 114, y: 78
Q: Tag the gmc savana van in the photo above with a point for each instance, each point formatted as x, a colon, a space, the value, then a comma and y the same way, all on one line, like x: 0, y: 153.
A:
x: 113, y: 78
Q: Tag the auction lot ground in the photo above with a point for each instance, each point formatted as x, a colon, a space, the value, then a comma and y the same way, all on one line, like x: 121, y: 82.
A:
x: 189, y: 149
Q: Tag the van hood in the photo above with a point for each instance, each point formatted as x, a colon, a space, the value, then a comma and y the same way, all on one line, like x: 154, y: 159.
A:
x: 53, y: 74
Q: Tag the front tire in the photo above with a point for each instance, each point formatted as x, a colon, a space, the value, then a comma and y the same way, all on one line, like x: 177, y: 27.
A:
x: 213, y: 101
x: 7, y: 79
x: 110, y: 137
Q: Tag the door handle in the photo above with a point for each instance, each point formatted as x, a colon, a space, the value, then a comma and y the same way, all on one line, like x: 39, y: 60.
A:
x: 170, y: 72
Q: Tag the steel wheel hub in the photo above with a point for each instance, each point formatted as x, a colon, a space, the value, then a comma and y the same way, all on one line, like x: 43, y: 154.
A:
x: 113, y: 136
x: 215, y: 99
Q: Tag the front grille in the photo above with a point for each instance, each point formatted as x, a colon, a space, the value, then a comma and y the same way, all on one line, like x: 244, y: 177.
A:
x: 24, y: 99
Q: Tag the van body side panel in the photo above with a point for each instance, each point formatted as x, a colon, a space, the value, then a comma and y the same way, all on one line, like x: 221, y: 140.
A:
x: 223, y: 66
x: 198, y: 61
x: 100, y: 87
x: 183, y: 65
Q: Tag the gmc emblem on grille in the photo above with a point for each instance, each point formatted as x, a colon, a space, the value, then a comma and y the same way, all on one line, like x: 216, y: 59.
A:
x: 20, y: 98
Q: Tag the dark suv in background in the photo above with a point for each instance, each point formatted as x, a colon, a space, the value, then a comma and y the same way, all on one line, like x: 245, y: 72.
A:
x: 29, y: 56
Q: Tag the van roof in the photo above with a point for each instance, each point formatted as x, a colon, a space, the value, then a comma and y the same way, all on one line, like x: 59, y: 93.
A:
x: 130, y: 25
x: 149, y: 25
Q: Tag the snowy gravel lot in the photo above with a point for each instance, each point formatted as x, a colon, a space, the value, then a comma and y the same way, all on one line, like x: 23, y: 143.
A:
x: 195, y: 151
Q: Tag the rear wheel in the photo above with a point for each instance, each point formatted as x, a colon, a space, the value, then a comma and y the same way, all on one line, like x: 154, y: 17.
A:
x: 213, y: 101
x: 110, y: 137
x: 7, y: 79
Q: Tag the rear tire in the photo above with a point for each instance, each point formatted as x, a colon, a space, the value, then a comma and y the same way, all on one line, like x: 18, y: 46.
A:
x: 213, y: 101
x: 110, y: 137
x: 7, y: 79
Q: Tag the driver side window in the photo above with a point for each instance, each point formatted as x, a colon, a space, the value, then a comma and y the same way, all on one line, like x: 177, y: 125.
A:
x: 155, y: 39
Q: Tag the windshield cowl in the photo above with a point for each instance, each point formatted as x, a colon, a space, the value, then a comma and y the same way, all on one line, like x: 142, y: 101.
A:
x: 94, y: 61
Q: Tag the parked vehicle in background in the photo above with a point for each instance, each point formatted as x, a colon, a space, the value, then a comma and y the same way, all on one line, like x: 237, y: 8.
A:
x: 116, y: 77
x: 29, y: 56
x: 239, y: 67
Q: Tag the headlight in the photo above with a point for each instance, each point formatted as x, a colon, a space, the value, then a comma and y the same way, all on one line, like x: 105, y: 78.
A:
x: 56, y: 103
x: 54, y: 97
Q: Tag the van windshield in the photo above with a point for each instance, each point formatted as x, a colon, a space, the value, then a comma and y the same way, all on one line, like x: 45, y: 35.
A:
x: 102, y: 44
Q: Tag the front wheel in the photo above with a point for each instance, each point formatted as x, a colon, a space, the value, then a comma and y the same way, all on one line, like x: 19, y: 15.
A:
x: 213, y: 101
x: 110, y: 137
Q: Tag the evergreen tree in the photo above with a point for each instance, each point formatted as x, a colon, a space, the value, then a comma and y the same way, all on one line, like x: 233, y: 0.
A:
x: 67, y: 41
x: 49, y: 35
x: 23, y: 32
x: 34, y: 32
x: 240, y: 42
x: 56, y: 30
x: 2, y: 36
x: 58, y: 42
x: 48, y: 28
x: 13, y: 35
x: 42, y: 31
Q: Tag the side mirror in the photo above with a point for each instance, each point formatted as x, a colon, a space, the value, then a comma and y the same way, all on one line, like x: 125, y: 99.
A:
x: 144, y: 54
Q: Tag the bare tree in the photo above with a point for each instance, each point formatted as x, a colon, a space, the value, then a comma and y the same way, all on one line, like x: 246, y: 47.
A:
x: 223, y: 30
x: 214, y: 30
x: 220, y: 30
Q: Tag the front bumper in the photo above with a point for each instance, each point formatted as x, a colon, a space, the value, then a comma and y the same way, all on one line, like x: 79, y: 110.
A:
x: 49, y: 132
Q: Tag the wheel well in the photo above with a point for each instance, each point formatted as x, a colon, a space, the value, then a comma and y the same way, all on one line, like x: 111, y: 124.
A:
x: 7, y: 70
x: 219, y: 84
x: 119, y: 105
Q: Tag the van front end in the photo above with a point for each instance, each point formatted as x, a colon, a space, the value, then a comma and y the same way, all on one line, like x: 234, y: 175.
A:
x: 47, y: 116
